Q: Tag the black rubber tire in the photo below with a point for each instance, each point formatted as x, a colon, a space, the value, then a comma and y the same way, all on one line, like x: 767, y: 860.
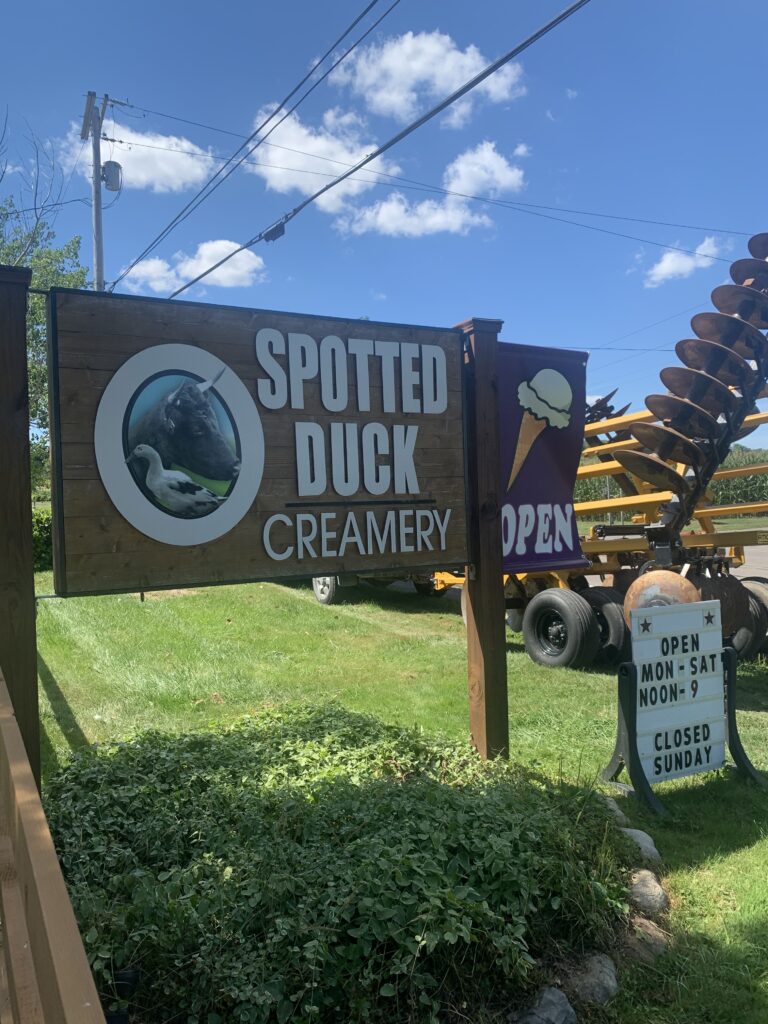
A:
x: 758, y: 590
x: 559, y: 630
x: 326, y: 589
x: 607, y: 605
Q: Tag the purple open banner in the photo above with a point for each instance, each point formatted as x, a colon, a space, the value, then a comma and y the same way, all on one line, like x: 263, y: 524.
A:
x: 542, y: 397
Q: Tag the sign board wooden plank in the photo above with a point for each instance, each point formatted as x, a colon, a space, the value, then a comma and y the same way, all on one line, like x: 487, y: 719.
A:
x: 199, y: 444
x: 677, y: 710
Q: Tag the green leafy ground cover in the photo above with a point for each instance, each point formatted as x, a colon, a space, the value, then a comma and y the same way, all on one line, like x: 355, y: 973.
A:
x: 311, y: 863
x: 112, y: 667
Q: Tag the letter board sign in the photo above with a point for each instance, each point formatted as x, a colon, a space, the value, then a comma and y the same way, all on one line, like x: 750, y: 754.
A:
x: 198, y: 444
x: 677, y: 653
x: 677, y: 709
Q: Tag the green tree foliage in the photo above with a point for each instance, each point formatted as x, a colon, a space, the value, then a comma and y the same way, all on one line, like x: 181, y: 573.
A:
x: 40, y: 463
x: 27, y: 239
x: 25, y: 243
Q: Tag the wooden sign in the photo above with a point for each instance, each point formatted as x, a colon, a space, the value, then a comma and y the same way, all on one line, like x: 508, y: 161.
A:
x: 197, y: 444
x: 676, y: 699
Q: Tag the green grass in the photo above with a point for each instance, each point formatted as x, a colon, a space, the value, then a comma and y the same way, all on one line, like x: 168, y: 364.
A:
x: 113, y: 666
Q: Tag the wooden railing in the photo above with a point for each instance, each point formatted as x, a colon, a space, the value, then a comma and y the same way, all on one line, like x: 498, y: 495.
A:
x: 44, y: 973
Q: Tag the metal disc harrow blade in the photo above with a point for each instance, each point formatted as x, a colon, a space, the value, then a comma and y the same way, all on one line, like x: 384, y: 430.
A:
x: 654, y: 471
x: 702, y: 389
x: 747, y: 304
x: 669, y: 444
x: 684, y: 416
x: 730, y: 592
x: 716, y: 360
x: 659, y: 587
x: 743, y: 338
x: 758, y: 246
x: 750, y: 273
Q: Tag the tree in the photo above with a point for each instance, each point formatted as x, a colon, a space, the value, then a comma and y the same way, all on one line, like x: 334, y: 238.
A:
x: 27, y: 240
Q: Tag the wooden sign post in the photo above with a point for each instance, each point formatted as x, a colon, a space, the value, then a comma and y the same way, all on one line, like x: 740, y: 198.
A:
x: 18, y: 644
x: 486, y: 628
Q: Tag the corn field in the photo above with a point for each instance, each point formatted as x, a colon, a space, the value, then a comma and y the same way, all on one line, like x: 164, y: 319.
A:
x: 740, y: 490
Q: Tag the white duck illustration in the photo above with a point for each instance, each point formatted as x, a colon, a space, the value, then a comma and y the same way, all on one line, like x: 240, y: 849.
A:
x: 176, y: 491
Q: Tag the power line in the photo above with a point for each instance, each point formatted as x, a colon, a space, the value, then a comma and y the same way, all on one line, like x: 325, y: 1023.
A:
x: 317, y: 156
x: 277, y: 229
x: 609, y: 345
x: 223, y: 173
x: 425, y: 186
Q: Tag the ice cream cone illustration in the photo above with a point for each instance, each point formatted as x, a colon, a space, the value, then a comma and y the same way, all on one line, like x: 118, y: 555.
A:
x: 547, y: 399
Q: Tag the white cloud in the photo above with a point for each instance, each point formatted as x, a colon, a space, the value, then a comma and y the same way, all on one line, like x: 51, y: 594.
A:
x: 162, y: 163
x: 522, y: 149
x: 550, y: 116
x: 160, y: 276
x: 397, y: 217
x: 571, y: 94
x: 483, y: 170
x: 680, y: 264
x: 479, y: 170
x: 327, y: 150
x: 399, y: 77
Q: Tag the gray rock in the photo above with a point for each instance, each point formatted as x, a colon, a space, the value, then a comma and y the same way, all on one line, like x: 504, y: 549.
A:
x: 646, y: 894
x: 596, y: 982
x: 644, y: 843
x: 645, y: 941
x: 552, y: 1007
x: 616, y: 811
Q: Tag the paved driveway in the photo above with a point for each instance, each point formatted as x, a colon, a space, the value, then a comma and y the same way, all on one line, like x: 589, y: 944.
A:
x: 756, y: 562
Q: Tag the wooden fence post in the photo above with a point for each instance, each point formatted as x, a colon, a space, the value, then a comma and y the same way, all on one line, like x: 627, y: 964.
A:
x: 486, y: 629
x: 18, y: 644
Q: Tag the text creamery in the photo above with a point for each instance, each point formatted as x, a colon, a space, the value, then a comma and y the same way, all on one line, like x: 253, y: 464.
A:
x: 343, y: 458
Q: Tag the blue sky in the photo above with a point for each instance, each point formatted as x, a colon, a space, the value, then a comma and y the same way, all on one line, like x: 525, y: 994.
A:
x: 641, y: 109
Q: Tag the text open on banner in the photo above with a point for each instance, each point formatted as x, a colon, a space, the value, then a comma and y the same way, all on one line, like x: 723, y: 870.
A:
x: 542, y: 396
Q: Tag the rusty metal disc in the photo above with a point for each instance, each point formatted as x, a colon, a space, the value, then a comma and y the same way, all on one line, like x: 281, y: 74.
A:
x: 700, y: 388
x: 682, y: 415
x: 758, y: 246
x: 730, y: 592
x: 668, y: 443
x: 735, y: 334
x: 659, y: 587
x: 716, y: 360
x: 654, y: 471
x: 750, y: 273
x: 747, y: 304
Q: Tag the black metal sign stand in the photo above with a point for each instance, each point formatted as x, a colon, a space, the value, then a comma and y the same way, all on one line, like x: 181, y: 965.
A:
x: 625, y: 753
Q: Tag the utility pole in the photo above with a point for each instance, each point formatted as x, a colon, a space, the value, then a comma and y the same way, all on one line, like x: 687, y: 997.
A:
x: 92, y: 118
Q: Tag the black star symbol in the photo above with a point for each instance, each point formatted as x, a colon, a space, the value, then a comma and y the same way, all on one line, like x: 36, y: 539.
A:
x: 646, y: 624
x: 709, y: 618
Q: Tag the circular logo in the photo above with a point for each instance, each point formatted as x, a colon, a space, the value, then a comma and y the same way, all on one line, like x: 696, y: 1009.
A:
x: 179, y: 444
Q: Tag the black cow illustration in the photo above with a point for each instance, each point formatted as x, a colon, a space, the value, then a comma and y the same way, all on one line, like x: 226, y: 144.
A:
x: 183, y: 429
